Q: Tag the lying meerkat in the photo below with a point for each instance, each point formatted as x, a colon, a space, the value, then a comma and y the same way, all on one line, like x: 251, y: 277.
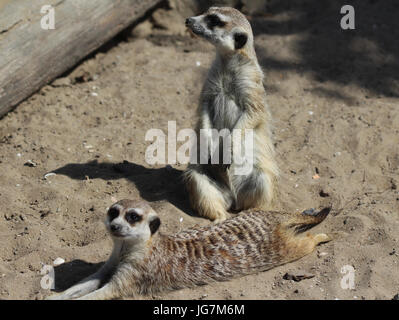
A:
x: 233, y: 97
x: 144, y: 261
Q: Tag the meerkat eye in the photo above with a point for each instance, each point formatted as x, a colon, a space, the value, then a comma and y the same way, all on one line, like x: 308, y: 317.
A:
x: 214, y: 21
x: 132, y: 217
x: 113, y: 213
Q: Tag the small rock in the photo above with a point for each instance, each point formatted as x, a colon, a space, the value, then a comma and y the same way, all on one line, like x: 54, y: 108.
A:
x: 61, y: 82
x: 322, y: 254
x: 30, y: 163
x: 47, y: 175
x: 298, y: 276
x: 323, y: 194
x: 8, y: 216
x: 309, y: 212
x: 396, y: 297
x: 58, y: 261
x: 44, y: 213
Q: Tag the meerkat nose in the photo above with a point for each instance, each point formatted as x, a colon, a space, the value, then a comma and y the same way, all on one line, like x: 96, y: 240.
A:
x: 115, y: 227
x: 189, y: 21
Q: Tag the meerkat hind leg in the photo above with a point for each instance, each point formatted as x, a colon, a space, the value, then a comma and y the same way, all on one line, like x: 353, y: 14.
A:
x: 254, y: 190
x: 209, y: 199
x: 300, y: 246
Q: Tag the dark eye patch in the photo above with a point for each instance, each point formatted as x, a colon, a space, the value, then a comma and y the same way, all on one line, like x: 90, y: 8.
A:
x: 133, y: 217
x: 213, y: 20
x: 113, y: 213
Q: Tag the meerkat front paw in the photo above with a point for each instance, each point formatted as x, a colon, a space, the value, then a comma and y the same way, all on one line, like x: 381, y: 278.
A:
x: 220, y: 217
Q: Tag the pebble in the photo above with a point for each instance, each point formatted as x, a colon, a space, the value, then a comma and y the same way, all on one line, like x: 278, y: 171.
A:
x: 49, y: 175
x: 298, y: 275
x: 58, y: 261
x: 30, y: 163
x: 61, y: 82
x: 322, y: 254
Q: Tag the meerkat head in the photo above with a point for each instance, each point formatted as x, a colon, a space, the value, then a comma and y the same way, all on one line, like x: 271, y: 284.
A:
x: 133, y: 221
x: 226, y: 28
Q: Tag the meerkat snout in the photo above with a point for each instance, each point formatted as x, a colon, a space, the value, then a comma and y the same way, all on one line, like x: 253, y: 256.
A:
x: 189, y: 21
x: 132, y: 220
x: 115, y: 228
x: 224, y: 27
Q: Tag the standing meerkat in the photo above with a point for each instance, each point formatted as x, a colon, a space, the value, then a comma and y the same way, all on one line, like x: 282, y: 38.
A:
x: 233, y: 97
x: 145, y: 261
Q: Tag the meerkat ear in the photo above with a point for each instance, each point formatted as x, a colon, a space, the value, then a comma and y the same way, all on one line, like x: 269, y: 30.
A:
x: 154, y: 225
x: 240, y: 39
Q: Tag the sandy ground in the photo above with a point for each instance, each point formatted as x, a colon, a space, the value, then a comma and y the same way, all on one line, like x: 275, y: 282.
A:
x: 334, y: 99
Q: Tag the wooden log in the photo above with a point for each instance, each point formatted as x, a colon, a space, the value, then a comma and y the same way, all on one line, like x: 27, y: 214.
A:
x: 31, y: 56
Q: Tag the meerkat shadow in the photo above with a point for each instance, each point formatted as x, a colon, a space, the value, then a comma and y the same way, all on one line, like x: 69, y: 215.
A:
x: 153, y: 184
x: 70, y: 273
